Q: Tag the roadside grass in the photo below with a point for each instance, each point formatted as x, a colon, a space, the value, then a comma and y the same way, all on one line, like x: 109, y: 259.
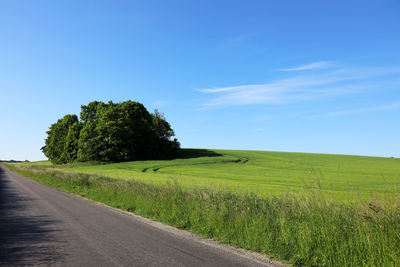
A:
x: 306, y: 228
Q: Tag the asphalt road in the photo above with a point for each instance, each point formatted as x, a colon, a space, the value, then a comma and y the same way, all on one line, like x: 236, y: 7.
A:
x: 41, y: 225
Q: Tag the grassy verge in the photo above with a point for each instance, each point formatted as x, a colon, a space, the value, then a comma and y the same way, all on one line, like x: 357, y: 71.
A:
x: 305, y: 229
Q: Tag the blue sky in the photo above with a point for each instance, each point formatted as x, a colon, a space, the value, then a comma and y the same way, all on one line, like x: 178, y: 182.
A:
x: 305, y: 76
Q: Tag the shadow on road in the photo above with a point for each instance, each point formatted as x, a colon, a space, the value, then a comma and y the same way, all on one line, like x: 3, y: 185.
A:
x: 25, y: 239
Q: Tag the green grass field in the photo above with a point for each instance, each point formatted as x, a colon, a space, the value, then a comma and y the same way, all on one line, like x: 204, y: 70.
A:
x: 261, y: 172
x: 285, y: 205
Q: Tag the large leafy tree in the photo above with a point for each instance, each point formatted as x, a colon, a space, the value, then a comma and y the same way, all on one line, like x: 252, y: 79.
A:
x: 125, y: 132
x: 111, y: 132
x: 164, y: 133
x: 56, y: 139
x: 89, y: 143
x: 71, y: 142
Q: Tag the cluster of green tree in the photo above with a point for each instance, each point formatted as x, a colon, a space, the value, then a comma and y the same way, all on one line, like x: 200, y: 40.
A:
x: 111, y: 132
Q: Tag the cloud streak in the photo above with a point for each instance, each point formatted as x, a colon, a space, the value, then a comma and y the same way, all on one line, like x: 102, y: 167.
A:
x: 310, y: 66
x: 304, y: 87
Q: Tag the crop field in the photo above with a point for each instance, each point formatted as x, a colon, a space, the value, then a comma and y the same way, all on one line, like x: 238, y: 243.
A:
x: 260, y: 172
x: 305, y: 209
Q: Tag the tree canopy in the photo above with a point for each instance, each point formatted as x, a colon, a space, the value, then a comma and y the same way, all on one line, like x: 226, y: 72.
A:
x: 110, y: 132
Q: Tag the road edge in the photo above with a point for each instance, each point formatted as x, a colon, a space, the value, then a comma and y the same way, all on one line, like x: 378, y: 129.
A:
x: 250, y: 255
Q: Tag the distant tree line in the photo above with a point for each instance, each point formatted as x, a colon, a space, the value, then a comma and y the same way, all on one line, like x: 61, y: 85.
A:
x: 111, y: 132
x: 13, y: 161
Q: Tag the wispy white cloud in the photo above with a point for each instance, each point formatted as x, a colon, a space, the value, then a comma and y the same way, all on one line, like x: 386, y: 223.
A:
x: 310, y: 66
x: 347, y: 112
x: 305, y: 87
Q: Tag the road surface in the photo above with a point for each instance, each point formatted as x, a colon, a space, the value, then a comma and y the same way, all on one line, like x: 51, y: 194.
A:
x: 41, y: 225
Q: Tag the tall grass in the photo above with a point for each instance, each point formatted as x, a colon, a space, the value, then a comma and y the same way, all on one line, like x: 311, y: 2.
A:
x: 307, y: 229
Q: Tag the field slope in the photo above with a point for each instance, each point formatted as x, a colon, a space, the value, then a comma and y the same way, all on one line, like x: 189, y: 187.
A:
x: 260, y: 172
